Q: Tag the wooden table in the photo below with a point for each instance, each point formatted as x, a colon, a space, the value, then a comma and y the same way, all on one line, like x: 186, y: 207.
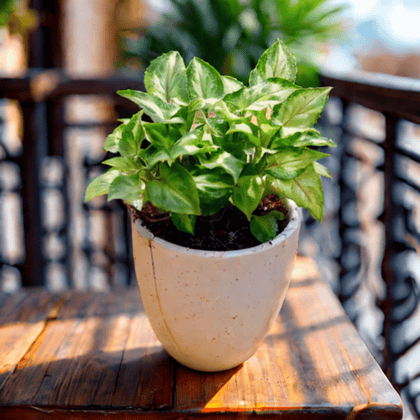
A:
x: 89, y: 355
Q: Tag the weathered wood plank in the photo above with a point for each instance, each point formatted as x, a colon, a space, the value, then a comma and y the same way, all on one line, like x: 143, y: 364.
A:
x: 70, y: 350
x: 96, y: 356
x: 90, y: 351
x: 363, y: 366
x: 32, y: 413
x: 99, y: 343
x: 300, y: 365
x: 146, y: 374
x: 23, y: 317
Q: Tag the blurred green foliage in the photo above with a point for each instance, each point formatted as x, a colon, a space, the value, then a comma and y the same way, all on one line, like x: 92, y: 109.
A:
x: 17, y: 17
x: 232, y: 34
x: 6, y: 7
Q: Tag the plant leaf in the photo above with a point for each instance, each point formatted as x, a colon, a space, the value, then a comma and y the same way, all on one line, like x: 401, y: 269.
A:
x: 156, y: 108
x: 289, y: 162
x: 132, y: 135
x: 302, y: 108
x: 153, y: 155
x: 166, y: 78
x: 113, y: 139
x: 247, y: 128
x: 276, y: 61
x: 214, y: 189
x: 264, y: 228
x: 321, y: 170
x: 204, y: 81
x: 126, y: 165
x: 230, y: 84
x: 247, y: 194
x: 100, y: 185
x: 224, y: 160
x: 184, y: 222
x: 128, y: 188
x: 305, y: 190
x: 307, y: 137
x: 161, y: 136
x: 192, y: 143
x: 265, y: 94
x: 174, y: 190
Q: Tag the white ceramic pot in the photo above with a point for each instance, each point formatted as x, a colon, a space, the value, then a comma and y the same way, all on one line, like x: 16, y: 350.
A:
x: 212, y: 309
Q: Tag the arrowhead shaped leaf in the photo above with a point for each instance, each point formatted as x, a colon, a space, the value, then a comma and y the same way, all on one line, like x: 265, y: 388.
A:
x: 247, y: 194
x: 132, y: 135
x: 126, y: 165
x: 230, y: 84
x: 305, y: 190
x: 226, y: 161
x: 289, y: 162
x: 162, y: 136
x: 156, y: 108
x: 184, y: 222
x: 153, y: 155
x: 263, y: 95
x: 126, y: 187
x: 322, y: 170
x: 174, y: 190
x: 303, y: 138
x: 264, y: 228
x: 166, y: 78
x: 214, y: 189
x: 302, y: 108
x: 247, y: 128
x: 204, y: 81
x: 192, y: 143
x: 100, y: 185
x: 276, y: 61
x: 112, y: 141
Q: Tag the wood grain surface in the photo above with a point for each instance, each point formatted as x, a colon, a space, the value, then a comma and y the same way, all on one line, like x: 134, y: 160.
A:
x: 94, y: 355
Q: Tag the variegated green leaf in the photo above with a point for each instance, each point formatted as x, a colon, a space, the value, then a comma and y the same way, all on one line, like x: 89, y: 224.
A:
x: 261, y: 96
x: 126, y: 187
x: 264, y: 228
x: 290, y: 162
x: 214, y: 189
x: 204, y: 81
x: 276, y: 61
x: 100, y: 185
x: 305, y: 190
x: 302, y: 108
x: 247, y: 194
x: 224, y: 160
x: 156, y: 108
x: 174, y: 190
x: 230, y: 84
x: 166, y: 78
x: 184, y: 222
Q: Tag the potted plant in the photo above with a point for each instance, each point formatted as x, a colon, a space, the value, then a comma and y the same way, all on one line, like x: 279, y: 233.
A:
x: 213, y: 183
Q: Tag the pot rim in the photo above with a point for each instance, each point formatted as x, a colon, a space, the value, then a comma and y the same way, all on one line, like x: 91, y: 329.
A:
x: 280, y: 238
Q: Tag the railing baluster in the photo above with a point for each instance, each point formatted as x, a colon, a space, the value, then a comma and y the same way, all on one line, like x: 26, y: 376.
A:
x: 33, y: 272
x: 390, y: 216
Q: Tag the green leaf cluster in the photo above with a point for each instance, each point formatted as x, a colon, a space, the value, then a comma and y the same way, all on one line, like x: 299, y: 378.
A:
x: 215, y: 140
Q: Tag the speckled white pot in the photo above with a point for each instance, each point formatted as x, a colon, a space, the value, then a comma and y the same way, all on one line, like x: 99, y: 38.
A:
x: 209, y: 309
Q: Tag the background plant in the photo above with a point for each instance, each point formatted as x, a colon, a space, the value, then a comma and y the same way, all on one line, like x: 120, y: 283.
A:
x: 214, y: 140
x: 231, y: 35
x: 15, y: 15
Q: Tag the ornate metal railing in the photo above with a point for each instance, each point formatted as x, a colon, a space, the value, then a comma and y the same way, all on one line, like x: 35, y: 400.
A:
x: 63, y: 243
x: 375, y: 118
x: 369, y: 239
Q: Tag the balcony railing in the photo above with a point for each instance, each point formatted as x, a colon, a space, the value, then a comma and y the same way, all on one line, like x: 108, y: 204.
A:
x: 368, y: 243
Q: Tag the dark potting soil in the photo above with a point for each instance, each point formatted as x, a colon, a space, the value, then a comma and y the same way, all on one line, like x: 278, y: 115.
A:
x: 228, y: 229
